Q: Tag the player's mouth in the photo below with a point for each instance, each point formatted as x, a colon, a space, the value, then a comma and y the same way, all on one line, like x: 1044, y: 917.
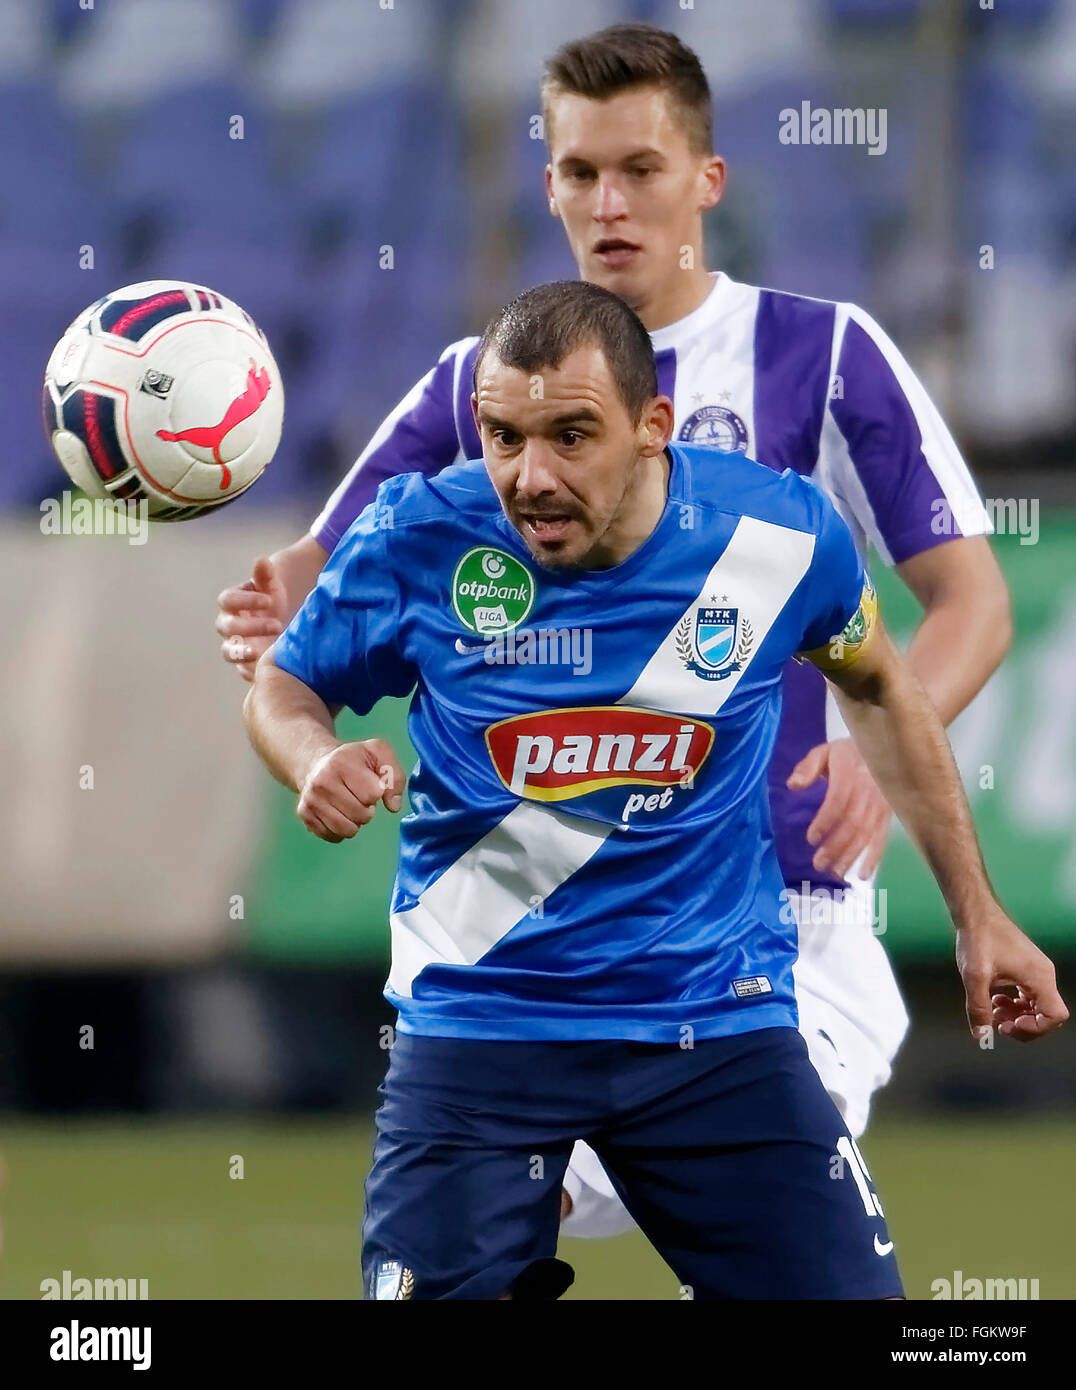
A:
x: 615, y: 253
x: 547, y: 528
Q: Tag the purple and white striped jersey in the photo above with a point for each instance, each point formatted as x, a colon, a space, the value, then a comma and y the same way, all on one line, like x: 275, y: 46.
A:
x: 794, y: 382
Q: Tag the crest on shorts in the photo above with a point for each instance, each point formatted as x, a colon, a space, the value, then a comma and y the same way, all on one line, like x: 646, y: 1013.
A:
x: 392, y: 1282
x: 714, y: 642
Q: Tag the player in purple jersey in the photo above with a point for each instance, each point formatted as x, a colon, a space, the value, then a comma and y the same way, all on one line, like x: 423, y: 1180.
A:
x: 792, y: 381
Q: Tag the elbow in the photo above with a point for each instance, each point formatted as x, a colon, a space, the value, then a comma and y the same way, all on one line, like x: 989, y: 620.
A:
x: 248, y: 708
x: 1002, y: 623
x: 993, y: 621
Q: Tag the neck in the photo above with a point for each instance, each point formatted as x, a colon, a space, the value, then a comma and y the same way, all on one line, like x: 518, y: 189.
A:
x: 640, y: 512
x: 680, y: 296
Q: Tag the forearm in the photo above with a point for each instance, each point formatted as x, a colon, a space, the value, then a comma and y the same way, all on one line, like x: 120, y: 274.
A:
x: 289, y: 726
x: 902, y: 740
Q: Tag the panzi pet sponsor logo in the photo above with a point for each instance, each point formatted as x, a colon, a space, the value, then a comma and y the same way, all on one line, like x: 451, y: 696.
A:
x: 555, y: 755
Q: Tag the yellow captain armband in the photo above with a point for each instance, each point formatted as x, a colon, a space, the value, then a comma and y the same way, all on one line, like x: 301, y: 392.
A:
x: 848, y: 646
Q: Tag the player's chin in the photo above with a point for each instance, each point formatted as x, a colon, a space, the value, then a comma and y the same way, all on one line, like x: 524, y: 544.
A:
x: 626, y: 279
x: 557, y: 555
x: 561, y: 551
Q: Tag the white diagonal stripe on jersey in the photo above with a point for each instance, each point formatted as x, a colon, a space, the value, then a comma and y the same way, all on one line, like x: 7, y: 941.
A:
x: 757, y: 573
x: 488, y: 890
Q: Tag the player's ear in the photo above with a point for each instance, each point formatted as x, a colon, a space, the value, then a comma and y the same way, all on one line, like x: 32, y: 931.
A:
x: 474, y: 411
x: 549, y: 191
x: 714, y: 174
x: 656, y: 424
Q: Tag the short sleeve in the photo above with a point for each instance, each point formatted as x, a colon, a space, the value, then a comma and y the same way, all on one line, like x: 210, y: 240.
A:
x: 426, y: 432
x: 891, y: 456
x: 344, y: 643
x: 836, y: 583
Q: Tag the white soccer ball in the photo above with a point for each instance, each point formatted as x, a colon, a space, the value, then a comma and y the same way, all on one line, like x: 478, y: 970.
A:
x: 164, y: 391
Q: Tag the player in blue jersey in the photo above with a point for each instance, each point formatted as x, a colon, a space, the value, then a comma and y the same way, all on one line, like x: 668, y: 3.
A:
x: 587, y: 939
x: 795, y: 382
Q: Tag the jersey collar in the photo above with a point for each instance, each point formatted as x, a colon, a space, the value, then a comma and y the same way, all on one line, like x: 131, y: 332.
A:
x: 708, y: 312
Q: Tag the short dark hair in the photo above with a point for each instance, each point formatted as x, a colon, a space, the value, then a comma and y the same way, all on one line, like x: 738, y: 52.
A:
x: 624, y: 56
x: 545, y: 325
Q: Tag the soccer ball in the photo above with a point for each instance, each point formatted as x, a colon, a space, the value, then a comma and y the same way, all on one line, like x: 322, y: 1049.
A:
x: 164, y: 392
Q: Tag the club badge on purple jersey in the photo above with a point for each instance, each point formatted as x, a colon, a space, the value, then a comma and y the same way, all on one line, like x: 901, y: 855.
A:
x: 716, y: 426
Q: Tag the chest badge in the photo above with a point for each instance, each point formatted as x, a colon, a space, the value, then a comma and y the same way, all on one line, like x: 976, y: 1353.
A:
x: 491, y: 591
x: 715, y: 642
x: 716, y: 426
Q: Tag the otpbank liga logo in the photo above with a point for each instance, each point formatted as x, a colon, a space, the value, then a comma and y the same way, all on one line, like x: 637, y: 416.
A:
x: 492, y: 591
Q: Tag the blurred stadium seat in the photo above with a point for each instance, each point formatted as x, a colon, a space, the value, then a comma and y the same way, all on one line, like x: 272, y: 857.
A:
x: 808, y: 230
x: 873, y: 12
x: 65, y: 209
x: 179, y: 170
x: 322, y: 50
x: 389, y: 165
x: 506, y: 42
x: 26, y: 47
x: 743, y: 43
x: 135, y: 50
x: 41, y: 291
x: 260, y: 16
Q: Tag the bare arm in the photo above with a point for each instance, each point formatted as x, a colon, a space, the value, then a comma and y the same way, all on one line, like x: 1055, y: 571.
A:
x: 960, y: 642
x: 967, y: 624
x: 339, y: 784
x: 901, y: 737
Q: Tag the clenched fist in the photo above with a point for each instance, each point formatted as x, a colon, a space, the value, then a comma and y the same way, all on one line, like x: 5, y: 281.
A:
x: 339, y: 793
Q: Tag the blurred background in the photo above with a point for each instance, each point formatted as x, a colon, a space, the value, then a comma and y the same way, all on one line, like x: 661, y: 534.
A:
x: 156, y: 887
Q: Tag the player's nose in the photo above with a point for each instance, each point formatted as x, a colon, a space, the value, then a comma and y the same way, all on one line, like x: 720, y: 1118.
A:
x: 610, y: 202
x: 535, y: 477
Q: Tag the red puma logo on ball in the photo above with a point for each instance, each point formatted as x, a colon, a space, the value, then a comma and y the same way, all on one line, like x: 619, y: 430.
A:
x: 242, y: 408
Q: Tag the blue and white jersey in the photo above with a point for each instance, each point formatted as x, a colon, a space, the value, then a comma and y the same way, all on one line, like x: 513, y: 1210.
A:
x: 589, y: 852
x: 799, y: 383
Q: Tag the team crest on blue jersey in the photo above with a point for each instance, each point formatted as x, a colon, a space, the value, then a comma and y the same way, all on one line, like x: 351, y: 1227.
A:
x: 716, y: 643
x: 716, y: 426
x: 392, y: 1282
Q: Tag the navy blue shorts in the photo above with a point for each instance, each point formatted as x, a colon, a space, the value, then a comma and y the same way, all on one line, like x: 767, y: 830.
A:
x: 729, y: 1155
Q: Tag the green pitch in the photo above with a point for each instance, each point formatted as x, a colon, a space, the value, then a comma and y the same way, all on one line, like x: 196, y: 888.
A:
x: 155, y: 1201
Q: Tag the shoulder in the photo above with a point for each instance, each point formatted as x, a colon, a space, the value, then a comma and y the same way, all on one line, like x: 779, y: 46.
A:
x: 787, y: 308
x: 740, y: 486
x: 455, y: 366
x: 784, y: 321
x: 412, y: 500
x: 461, y: 352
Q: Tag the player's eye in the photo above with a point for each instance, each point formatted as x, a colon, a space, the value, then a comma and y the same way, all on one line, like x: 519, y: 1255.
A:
x: 641, y: 171
x: 581, y: 175
x: 505, y: 438
x: 570, y: 437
